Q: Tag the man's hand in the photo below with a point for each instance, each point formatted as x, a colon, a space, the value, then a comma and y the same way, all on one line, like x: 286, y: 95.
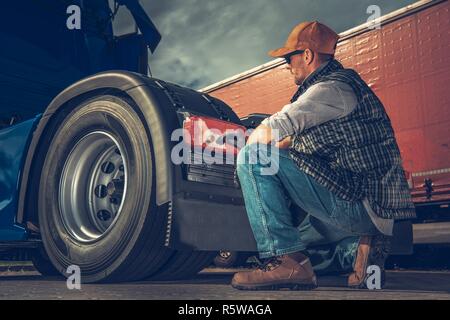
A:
x: 284, y: 144
x: 263, y: 135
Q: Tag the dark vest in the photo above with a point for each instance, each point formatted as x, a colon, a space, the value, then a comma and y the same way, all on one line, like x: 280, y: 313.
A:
x: 356, y: 156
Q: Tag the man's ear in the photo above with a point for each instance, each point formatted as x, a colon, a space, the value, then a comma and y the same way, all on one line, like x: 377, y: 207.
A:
x: 309, y: 56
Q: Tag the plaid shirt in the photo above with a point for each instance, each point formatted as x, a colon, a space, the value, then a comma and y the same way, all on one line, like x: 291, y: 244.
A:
x: 355, y: 156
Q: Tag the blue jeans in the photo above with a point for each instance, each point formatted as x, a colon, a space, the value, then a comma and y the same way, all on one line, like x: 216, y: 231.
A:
x: 324, y: 227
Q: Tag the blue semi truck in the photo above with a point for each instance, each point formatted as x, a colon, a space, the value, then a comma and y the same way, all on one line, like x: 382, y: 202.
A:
x: 86, y: 176
x: 85, y: 171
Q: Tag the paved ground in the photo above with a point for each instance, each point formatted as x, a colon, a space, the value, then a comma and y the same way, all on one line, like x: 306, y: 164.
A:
x: 214, y: 284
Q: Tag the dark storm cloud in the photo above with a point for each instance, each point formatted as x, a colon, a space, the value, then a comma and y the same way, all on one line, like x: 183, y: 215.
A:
x: 205, y: 41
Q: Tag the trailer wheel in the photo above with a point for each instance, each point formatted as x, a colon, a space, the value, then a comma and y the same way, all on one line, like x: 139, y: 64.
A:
x: 229, y: 259
x: 96, y: 202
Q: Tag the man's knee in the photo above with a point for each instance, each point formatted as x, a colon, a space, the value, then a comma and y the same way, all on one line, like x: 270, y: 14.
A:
x: 265, y: 158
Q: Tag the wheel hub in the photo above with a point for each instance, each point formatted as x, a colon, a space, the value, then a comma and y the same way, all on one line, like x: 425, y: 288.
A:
x: 115, y: 189
x: 93, y: 186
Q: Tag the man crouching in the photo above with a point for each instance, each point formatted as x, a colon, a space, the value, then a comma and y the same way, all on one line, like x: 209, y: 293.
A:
x: 339, y: 163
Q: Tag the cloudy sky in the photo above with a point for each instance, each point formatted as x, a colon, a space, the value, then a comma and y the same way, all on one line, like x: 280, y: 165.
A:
x: 206, y: 41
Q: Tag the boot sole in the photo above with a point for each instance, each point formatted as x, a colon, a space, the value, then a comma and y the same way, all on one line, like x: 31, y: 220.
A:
x: 275, y: 287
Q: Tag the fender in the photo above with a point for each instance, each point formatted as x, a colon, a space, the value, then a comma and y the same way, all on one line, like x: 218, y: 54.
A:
x: 133, y: 85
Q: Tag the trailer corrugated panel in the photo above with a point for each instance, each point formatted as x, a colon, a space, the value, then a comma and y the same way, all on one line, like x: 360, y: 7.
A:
x: 407, y: 64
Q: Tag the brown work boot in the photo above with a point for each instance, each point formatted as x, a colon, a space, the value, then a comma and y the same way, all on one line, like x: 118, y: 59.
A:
x: 372, y: 250
x: 293, y: 271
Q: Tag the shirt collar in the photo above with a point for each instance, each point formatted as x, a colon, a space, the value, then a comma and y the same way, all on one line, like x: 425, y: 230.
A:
x: 320, y: 68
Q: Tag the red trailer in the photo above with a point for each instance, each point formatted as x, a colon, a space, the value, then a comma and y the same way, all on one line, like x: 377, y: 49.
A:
x: 407, y: 63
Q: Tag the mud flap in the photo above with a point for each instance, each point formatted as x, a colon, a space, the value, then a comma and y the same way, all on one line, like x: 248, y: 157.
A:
x: 202, y: 225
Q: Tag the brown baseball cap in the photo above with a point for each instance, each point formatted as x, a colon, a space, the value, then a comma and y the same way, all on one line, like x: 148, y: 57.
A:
x: 313, y: 35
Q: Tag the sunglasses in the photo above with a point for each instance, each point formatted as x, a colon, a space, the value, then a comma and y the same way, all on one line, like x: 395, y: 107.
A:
x: 288, y: 57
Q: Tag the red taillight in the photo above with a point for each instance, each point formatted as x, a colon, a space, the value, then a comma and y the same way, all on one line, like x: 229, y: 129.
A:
x: 220, y: 135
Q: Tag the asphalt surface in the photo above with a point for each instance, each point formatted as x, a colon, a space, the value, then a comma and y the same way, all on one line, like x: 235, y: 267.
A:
x: 213, y: 284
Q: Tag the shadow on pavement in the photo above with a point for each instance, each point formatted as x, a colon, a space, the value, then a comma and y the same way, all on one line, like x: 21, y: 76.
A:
x: 411, y: 281
x: 395, y: 281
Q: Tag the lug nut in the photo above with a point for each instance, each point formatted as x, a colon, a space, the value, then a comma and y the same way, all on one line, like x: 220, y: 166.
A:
x: 100, y: 191
x: 104, y: 215
x: 108, y: 167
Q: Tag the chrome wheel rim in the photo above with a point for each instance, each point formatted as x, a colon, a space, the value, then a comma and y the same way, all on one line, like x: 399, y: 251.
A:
x: 92, y: 187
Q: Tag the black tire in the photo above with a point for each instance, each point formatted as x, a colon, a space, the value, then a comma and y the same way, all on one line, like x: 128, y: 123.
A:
x: 42, y: 263
x: 132, y: 248
x: 230, y: 259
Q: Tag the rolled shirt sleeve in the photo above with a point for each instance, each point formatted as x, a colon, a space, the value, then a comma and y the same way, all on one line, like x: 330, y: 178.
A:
x: 322, y: 102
